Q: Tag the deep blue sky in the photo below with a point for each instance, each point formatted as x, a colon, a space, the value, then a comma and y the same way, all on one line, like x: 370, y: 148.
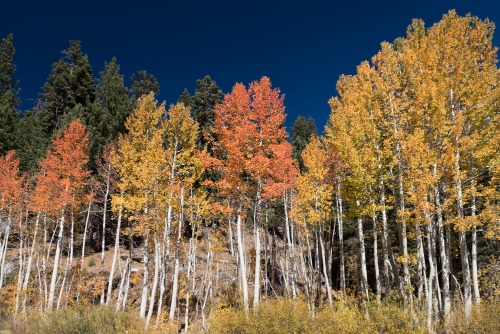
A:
x: 302, y: 46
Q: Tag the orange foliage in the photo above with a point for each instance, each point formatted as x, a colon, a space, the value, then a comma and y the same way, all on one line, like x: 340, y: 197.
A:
x: 11, y: 182
x: 63, y: 171
x: 252, y: 145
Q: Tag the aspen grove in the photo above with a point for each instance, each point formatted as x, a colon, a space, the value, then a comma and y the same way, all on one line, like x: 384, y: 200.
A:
x: 157, y: 214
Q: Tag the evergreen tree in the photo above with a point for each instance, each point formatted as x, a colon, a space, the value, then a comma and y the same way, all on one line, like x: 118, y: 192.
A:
x: 185, y: 98
x: 8, y: 95
x: 32, y: 139
x: 106, y: 119
x: 302, y: 131
x: 206, y: 95
x: 70, y: 83
x: 143, y: 83
x: 81, y: 79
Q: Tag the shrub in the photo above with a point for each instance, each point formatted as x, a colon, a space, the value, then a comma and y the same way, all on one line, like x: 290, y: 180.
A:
x: 81, y: 320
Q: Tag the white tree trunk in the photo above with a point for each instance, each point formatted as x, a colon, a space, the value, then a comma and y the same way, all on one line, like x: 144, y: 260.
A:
x: 362, y: 255
x: 164, y: 259
x: 241, y: 255
x: 445, y: 270
x: 475, y: 281
x: 430, y: 295
x: 85, y: 234
x: 290, y: 247
x: 155, y: 280
x: 30, y: 259
x: 325, y: 266
x: 341, y: 240
x: 115, y: 257
x: 175, y: 284
x: 104, y: 217
x: 53, y: 279
x: 256, y: 291
x: 3, y: 250
x: 145, y: 281
x: 463, y: 243
x: 375, y: 258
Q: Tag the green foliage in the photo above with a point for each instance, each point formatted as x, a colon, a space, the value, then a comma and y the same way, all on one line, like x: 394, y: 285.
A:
x: 143, y: 83
x: 32, y: 139
x: 206, y: 95
x: 301, y: 133
x: 106, y: 117
x: 70, y: 83
x: 8, y: 96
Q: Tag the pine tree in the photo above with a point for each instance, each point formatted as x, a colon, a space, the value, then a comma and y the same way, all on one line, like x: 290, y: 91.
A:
x: 70, y: 83
x: 206, y: 95
x: 202, y: 103
x: 32, y: 139
x: 8, y: 96
x: 302, y: 131
x: 142, y: 84
x: 185, y: 98
x: 107, y: 115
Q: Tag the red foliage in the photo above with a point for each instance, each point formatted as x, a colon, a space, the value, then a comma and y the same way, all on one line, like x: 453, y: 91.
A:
x: 11, y: 182
x: 252, y: 146
x: 63, y: 172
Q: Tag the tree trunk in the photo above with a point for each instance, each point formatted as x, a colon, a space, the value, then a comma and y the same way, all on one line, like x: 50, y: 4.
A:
x: 290, y: 248
x: 341, y: 240
x: 375, y: 258
x: 362, y: 255
x: 430, y: 295
x: 164, y: 259
x: 21, y: 264
x: 155, y: 280
x: 53, y: 279
x: 463, y: 243
x: 115, y: 257
x: 475, y: 283
x: 445, y: 277
x: 175, y: 284
x: 241, y: 255
x: 104, y: 217
x: 3, y: 250
x: 258, y: 227
x: 30, y: 259
x: 85, y: 234
x: 325, y: 266
x: 145, y: 280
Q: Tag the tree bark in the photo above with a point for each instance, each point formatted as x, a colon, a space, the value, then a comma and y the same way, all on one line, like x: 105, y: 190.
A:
x: 175, y: 284
x: 375, y: 259
x: 241, y: 251
x: 53, y: 279
x: 145, y: 279
x: 325, y: 266
x: 341, y: 240
x: 115, y: 257
x: 362, y: 256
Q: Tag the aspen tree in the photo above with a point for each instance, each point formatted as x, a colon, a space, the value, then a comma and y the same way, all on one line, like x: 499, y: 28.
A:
x: 59, y: 185
x: 248, y: 126
x: 315, y: 194
x: 140, y: 164
x: 184, y: 169
x: 11, y: 189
